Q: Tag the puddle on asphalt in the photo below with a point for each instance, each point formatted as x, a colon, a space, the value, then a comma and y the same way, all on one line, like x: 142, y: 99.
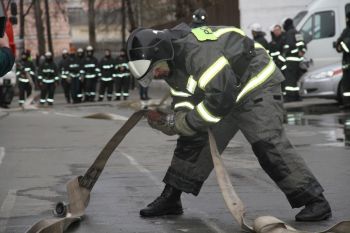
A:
x: 325, y: 116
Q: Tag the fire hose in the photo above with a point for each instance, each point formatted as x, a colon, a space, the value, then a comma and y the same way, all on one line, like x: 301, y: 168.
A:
x: 79, y: 190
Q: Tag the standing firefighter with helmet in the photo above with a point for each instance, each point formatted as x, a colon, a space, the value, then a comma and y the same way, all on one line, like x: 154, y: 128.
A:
x: 64, y: 74
x: 90, y: 72
x: 199, y: 18
x: 294, y: 50
x: 73, y: 70
x: 221, y: 79
x: 107, y: 67
x: 122, y: 77
x: 343, y: 45
x: 25, y: 72
x: 48, y: 79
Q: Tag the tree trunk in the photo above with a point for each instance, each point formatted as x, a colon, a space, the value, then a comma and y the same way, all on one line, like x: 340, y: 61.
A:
x: 21, y: 27
x: 92, y: 25
x: 131, y: 16
x: 48, y: 27
x: 39, y: 27
x: 123, y: 24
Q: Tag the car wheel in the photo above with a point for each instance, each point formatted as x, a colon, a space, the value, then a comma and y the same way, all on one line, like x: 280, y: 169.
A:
x: 340, y: 93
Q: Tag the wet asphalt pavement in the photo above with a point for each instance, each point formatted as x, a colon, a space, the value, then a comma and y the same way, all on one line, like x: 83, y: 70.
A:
x: 40, y: 150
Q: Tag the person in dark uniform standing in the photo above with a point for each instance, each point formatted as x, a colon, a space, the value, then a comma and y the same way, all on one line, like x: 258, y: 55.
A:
x: 343, y: 45
x: 64, y: 74
x: 80, y: 55
x: 107, y: 67
x: 74, y: 74
x: 24, y: 72
x: 276, y: 50
x: 276, y: 47
x: 220, y: 79
x: 48, y: 78
x: 259, y: 35
x: 90, y: 72
x: 293, y: 50
x: 122, y: 77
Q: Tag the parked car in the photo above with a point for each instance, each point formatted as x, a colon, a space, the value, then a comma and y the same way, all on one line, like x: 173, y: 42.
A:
x: 324, y: 82
x: 321, y: 23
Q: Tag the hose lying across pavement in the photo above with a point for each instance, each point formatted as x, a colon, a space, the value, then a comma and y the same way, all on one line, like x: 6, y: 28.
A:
x: 80, y: 187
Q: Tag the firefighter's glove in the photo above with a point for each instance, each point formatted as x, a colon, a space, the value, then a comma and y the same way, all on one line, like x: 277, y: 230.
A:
x: 170, y: 124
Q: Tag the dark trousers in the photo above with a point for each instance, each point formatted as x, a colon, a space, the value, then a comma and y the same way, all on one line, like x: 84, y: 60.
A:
x: 106, y: 86
x: 345, y: 85
x: 47, y: 93
x: 260, y: 119
x: 122, y: 86
x: 66, y: 85
x: 76, y: 90
x: 25, y: 90
x: 90, y: 89
x: 143, y: 93
x: 292, y: 75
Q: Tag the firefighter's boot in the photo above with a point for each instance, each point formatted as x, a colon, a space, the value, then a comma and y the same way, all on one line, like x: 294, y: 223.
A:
x: 168, y: 203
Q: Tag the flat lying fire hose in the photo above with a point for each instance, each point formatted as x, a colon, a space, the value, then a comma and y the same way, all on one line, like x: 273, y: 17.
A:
x: 263, y: 224
x: 79, y: 188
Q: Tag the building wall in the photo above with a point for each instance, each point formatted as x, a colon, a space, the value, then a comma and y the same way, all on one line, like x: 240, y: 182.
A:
x: 59, y: 28
x: 268, y: 12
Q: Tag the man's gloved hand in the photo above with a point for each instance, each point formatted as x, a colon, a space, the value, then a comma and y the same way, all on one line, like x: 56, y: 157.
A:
x: 170, y: 124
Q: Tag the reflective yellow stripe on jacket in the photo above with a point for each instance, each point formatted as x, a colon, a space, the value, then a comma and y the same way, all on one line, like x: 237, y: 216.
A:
x: 212, y: 71
x: 205, y: 114
x: 257, y: 80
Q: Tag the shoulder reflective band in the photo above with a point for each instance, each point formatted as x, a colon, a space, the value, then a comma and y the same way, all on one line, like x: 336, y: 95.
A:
x: 212, y: 71
x: 222, y: 31
x: 205, y: 114
x: 191, y: 84
x: 91, y: 65
x: 289, y: 88
x: 343, y: 45
x: 274, y: 54
x: 256, y: 81
x: 294, y: 58
x: 178, y: 93
x: 23, y: 80
x: 300, y: 43
x: 258, y: 46
x: 184, y: 105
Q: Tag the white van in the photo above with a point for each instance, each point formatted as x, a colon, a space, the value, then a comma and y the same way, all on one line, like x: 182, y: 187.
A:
x: 321, y: 24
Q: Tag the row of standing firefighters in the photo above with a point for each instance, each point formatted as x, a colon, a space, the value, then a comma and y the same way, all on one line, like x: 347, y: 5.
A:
x: 78, y: 75
x: 287, y: 49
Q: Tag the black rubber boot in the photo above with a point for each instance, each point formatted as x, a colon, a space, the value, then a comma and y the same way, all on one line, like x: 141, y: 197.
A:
x: 168, y: 203
x: 316, y: 210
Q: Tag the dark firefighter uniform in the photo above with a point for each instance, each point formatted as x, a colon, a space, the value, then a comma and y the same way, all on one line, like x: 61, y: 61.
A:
x: 276, y: 51
x: 25, y: 70
x: 74, y: 73
x: 294, y: 50
x: 122, y: 78
x: 107, y: 67
x: 221, y: 79
x: 343, y: 45
x: 64, y: 75
x: 90, y: 71
x: 48, y: 77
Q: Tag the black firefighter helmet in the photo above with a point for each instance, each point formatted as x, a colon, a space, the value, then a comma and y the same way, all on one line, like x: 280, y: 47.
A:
x: 146, y: 48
